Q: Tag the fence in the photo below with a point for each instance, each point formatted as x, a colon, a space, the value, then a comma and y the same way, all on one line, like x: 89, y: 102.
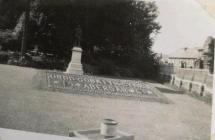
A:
x: 197, y: 80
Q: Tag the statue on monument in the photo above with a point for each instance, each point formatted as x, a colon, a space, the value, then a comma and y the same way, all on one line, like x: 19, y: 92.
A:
x: 77, y: 36
x: 75, y: 66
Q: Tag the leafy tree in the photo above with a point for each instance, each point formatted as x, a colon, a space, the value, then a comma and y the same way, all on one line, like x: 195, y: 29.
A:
x: 119, y: 31
x: 210, y: 55
x: 10, y: 11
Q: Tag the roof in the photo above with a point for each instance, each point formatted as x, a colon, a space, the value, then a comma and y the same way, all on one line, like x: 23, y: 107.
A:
x: 190, y: 53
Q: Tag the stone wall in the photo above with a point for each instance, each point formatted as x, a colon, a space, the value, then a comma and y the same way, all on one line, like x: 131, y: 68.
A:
x: 193, y: 80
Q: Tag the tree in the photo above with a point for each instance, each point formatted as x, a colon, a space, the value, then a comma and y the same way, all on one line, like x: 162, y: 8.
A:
x: 10, y: 11
x: 210, y: 55
x: 25, y: 29
x: 121, y: 30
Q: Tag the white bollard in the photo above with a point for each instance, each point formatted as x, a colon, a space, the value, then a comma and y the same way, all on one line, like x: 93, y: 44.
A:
x: 109, y: 128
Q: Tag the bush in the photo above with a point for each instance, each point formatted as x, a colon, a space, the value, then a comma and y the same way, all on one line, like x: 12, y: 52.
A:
x: 4, y: 56
x: 106, y: 67
x: 90, y: 69
x: 41, y: 62
x: 124, y: 72
x: 145, y: 67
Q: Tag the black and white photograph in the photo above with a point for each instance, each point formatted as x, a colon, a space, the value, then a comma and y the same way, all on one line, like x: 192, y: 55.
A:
x: 107, y: 69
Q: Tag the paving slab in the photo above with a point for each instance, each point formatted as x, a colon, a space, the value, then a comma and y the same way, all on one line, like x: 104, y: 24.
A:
x: 10, y: 134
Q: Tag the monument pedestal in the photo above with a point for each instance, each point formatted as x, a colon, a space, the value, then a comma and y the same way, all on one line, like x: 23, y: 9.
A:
x: 75, y: 66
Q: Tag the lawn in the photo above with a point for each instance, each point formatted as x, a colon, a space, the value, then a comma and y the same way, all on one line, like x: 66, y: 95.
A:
x: 24, y: 107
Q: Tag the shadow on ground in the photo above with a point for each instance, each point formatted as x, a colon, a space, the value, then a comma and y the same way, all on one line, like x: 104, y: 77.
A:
x: 170, y: 91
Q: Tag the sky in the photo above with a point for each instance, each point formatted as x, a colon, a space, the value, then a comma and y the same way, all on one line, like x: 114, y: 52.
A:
x: 184, y: 24
x: 208, y: 5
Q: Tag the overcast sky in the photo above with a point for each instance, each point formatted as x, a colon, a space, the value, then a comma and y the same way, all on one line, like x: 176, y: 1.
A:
x: 184, y: 24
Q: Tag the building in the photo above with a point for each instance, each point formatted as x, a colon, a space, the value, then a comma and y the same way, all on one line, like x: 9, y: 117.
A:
x: 192, y: 57
x: 186, y: 57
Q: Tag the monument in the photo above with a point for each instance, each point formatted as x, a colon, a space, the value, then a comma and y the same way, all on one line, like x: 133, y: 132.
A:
x: 75, y: 66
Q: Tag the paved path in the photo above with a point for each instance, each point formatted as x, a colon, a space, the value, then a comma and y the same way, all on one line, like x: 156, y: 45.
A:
x: 25, y: 108
x: 10, y: 134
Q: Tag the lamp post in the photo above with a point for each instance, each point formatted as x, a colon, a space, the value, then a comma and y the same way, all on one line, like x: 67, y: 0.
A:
x: 25, y: 29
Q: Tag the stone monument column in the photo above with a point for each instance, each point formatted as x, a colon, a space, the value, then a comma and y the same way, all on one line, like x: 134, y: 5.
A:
x: 75, y: 66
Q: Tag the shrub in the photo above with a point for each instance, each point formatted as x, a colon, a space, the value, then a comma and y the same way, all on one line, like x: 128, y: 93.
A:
x: 4, y: 57
x: 90, y: 69
x: 125, y: 72
x: 106, y: 67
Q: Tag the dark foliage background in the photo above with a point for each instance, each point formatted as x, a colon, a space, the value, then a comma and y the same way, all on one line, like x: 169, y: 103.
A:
x: 116, y: 39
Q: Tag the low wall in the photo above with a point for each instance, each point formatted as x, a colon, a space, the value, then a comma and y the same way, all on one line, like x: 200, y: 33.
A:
x: 193, y: 80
